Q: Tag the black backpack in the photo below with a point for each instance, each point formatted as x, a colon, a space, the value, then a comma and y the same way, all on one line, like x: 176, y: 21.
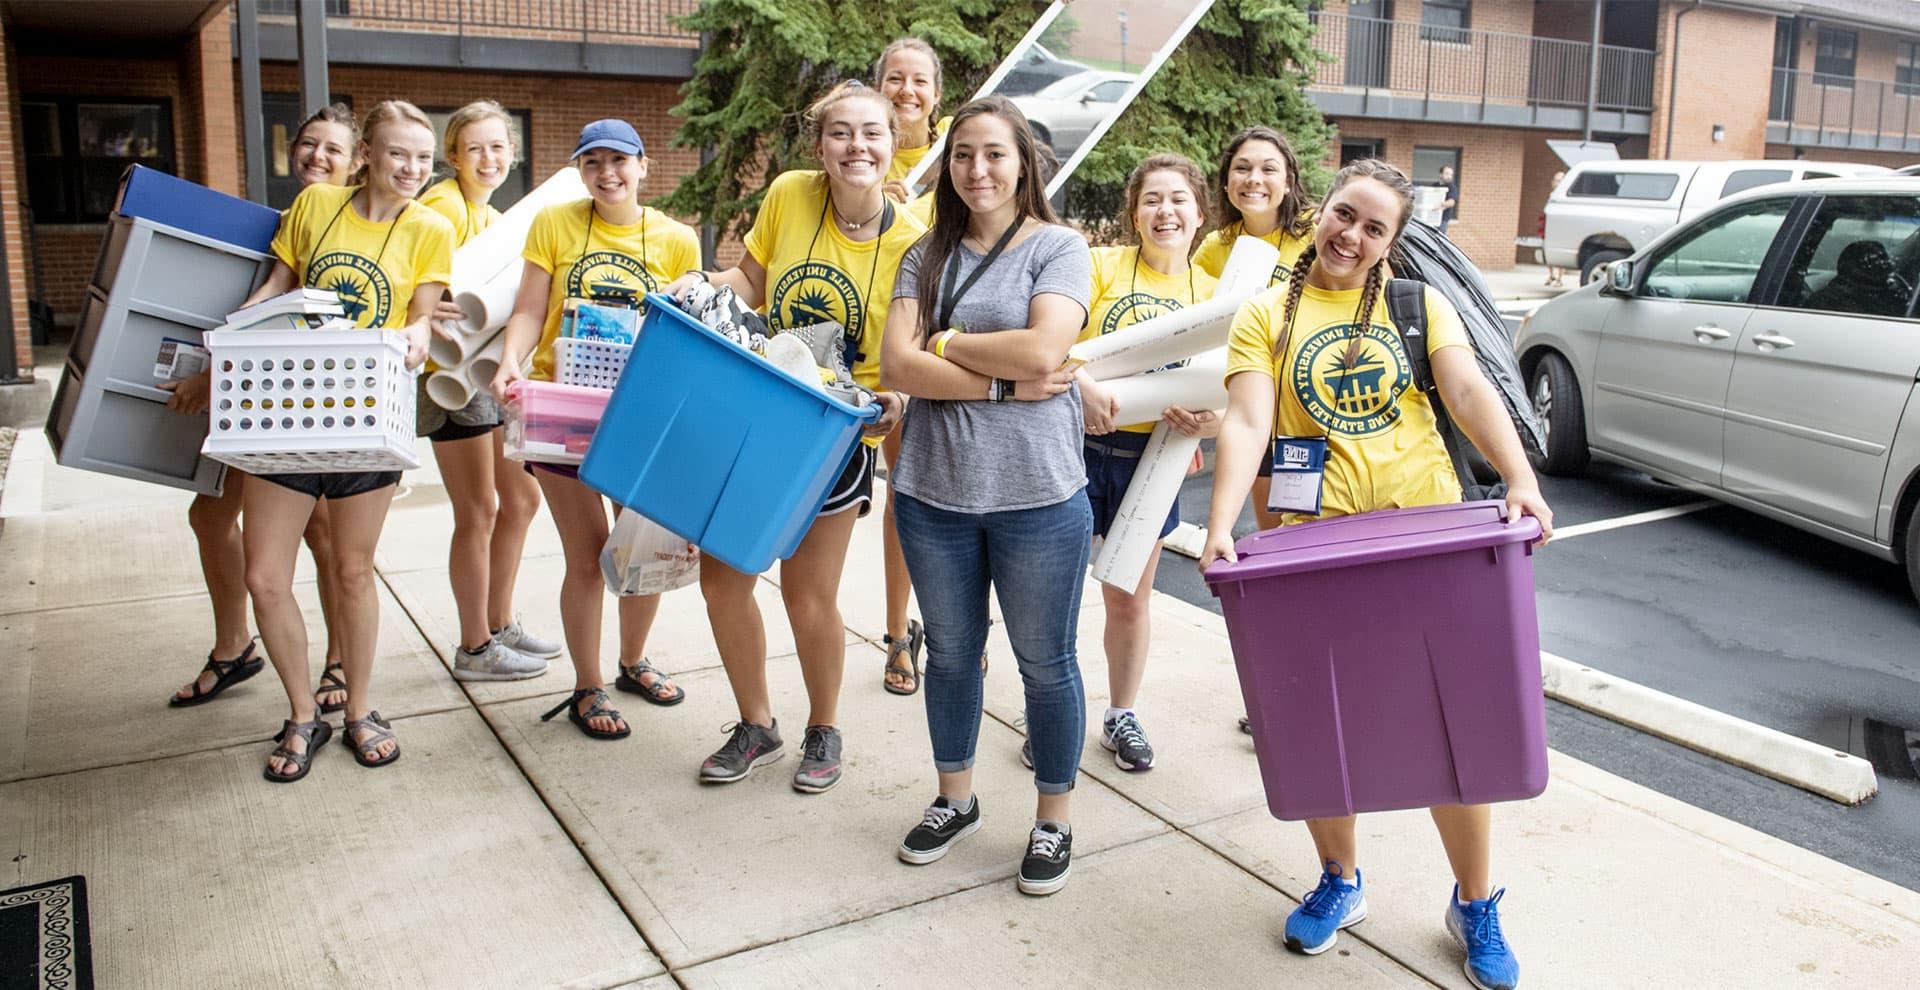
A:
x: 1407, y: 307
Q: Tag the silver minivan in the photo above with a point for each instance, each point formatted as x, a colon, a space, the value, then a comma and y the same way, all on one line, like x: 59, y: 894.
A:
x: 1765, y: 353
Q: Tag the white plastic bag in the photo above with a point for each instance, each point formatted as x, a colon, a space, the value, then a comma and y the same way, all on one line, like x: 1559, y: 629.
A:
x: 643, y: 558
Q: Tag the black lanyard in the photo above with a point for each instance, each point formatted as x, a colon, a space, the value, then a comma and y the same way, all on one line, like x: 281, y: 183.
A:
x: 1134, y: 286
x: 951, y: 298
x: 379, y: 260
x: 850, y: 334
x: 593, y: 210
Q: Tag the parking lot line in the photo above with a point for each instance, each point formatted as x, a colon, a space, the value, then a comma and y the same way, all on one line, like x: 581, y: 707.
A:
x: 1619, y: 522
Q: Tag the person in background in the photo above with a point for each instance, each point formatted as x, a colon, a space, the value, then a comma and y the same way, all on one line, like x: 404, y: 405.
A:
x: 322, y: 152
x: 608, y: 237
x: 991, y: 492
x: 1554, y: 275
x: 493, y: 498
x: 1449, y: 206
x: 1335, y: 303
x: 399, y: 257
x: 1165, y: 210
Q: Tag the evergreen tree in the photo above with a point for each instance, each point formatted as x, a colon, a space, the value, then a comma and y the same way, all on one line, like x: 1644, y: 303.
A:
x: 1247, y: 61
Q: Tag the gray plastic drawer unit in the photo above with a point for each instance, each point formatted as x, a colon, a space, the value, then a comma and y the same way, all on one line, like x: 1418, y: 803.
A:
x: 151, y: 282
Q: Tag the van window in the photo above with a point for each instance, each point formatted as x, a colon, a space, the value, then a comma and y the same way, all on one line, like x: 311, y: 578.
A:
x: 1719, y: 259
x: 1748, y: 178
x: 1860, y: 255
x: 1625, y: 185
x: 1820, y: 175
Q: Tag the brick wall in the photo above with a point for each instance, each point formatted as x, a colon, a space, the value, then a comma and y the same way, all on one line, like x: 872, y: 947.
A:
x: 12, y: 199
x: 1725, y: 76
x: 1492, y: 164
x: 207, y: 97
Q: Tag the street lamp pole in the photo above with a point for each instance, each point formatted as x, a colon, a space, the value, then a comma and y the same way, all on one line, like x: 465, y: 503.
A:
x: 1123, y: 40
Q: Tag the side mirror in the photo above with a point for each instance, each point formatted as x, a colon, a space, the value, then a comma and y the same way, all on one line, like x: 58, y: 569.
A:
x: 1086, y: 98
x: 1620, y: 278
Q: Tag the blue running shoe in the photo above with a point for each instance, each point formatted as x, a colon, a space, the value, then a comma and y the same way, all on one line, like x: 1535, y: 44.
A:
x: 1476, y: 926
x: 1313, y: 927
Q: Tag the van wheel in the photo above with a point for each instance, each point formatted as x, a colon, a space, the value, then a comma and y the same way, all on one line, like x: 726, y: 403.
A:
x: 1913, y: 549
x: 1556, y: 401
x: 1594, y: 269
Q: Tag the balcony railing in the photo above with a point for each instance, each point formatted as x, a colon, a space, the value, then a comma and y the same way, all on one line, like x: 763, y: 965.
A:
x: 583, y: 21
x: 1860, y: 113
x: 1478, y: 66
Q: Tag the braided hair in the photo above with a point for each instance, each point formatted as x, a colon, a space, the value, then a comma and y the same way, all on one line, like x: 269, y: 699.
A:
x: 1397, y: 182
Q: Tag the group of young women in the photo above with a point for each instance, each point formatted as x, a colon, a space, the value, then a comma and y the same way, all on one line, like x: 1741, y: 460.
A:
x: 1002, y: 466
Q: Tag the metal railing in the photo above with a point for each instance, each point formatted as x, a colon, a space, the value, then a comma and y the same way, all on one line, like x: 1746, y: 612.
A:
x: 616, y: 21
x: 1846, y: 109
x: 1478, y: 66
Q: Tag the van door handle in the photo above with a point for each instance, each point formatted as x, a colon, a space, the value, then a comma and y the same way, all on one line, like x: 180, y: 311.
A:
x: 1771, y: 341
x: 1708, y: 334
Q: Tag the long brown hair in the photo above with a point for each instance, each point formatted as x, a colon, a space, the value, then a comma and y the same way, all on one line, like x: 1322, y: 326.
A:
x: 332, y: 113
x: 1396, y: 181
x: 950, y: 212
x: 1163, y: 162
x: 1292, y: 205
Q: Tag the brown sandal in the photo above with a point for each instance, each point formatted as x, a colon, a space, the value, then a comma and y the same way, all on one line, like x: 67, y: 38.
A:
x: 331, y: 683
x: 630, y: 681
x: 315, y: 734
x: 373, y: 730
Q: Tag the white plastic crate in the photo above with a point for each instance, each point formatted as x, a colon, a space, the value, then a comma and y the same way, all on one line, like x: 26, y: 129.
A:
x: 293, y: 401
x: 590, y: 363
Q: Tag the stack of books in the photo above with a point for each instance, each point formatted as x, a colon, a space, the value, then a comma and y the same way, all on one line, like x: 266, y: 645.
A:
x: 301, y: 309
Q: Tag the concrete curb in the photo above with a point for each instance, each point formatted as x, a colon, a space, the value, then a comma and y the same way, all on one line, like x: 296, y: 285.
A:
x: 1829, y: 773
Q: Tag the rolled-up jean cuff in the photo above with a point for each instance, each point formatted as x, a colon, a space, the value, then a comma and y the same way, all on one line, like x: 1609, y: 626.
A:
x: 1046, y: 788
x: 961, y: 767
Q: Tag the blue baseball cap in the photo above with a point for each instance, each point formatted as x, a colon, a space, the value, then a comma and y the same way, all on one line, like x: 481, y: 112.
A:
x: 610, y: 133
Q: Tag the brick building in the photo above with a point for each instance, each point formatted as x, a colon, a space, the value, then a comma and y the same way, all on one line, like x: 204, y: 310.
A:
x: 1484, y: 85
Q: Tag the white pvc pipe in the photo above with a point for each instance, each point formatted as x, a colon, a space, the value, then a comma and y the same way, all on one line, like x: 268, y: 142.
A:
x: 1160, y: 341
x: 487, y: 268
x: 455, y: 385
x: 1135, y: 531
x: 1199, y: 385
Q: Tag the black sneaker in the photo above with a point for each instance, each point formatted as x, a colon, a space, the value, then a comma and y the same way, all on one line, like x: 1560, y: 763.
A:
x: 1049, y: 860
x: 1124, y: 737
x: 939, y: 829
x: 748, y: 747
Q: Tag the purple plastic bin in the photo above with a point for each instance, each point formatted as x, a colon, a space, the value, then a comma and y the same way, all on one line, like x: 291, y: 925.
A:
x: 1390, y: 660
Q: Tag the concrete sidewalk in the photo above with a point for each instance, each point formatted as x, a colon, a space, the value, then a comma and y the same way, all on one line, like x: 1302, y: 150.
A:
x: 502, y: 851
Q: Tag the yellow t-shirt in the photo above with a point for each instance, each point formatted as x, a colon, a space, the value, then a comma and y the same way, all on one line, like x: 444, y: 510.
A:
x: 1127, y: 290
x: 467, y: 218
x: 375, y: 267
x: 815, y: 273
x: 904, y: 159
x: 1356, y: 389
x: 593, y: 259
x: 1212, y: 254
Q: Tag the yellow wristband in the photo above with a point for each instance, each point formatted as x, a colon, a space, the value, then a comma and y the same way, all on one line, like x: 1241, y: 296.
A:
x: 940, y: 344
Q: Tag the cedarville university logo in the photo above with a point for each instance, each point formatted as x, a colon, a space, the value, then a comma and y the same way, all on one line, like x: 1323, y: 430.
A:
x: 366, y: 297
x: 815, y: 292
x: 1139, y: 307
x: 610, y: 278
x: 1348, y: 382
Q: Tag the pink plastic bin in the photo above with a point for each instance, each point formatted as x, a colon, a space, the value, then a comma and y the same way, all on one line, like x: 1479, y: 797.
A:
x: 551, y: 423
x: 1390, y: 660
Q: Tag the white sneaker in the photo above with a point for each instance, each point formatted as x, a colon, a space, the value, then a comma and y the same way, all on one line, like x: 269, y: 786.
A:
x: 515, y: 637
x: 495, y: 663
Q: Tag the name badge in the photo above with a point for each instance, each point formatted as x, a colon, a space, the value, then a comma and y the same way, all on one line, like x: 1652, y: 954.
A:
x: 1299, y: 467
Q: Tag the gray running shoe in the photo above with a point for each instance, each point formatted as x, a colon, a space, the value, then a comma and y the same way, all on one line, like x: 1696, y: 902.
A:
x: 749, y: 746
x: 495, y: 663
x: 819, y: 760
x: 515, y: 637
x: 1123, y: 737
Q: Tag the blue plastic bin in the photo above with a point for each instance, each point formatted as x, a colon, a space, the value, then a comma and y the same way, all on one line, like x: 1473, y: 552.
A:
x: 188, y: 206
x: 717, y: 445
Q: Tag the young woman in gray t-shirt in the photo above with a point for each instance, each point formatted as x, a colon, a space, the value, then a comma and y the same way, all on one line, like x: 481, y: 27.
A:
x: 990, y: 488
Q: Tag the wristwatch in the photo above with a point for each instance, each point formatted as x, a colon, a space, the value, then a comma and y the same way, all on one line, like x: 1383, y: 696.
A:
x: 1000, y: 390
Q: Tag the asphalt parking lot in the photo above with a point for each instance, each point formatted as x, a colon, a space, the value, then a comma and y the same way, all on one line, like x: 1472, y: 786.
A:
x: 1733, y: 611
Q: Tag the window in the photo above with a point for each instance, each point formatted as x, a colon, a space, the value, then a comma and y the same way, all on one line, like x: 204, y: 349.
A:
x: 1358, y: 149
x: 1861, y: 255
x: 519, y: 181
x: 1751, y: 178
x: 1625, y: 185
x: 77, y: 150
x: 1445, y: 20
x: 1833, y: 59
x: 1718, y: 260
x: 1110, y: 91
x: 1906, y: 69
x: 1427, y: 163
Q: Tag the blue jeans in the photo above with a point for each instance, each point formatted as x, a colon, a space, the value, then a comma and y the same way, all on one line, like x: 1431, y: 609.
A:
x: 1037, y: 561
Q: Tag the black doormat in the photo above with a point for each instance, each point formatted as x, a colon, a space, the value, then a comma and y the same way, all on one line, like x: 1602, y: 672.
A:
x: 44, y: 940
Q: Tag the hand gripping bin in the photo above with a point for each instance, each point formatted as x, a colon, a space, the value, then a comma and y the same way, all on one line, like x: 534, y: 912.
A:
x: 1390, y: 660
x: 299, y: 401
x: 716, y: 444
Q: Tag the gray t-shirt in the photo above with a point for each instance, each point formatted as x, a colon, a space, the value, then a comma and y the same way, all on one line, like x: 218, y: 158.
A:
x: 978, y: 456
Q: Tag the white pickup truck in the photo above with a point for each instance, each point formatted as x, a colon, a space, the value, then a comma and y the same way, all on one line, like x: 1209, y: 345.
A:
x: 1606, y: 210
